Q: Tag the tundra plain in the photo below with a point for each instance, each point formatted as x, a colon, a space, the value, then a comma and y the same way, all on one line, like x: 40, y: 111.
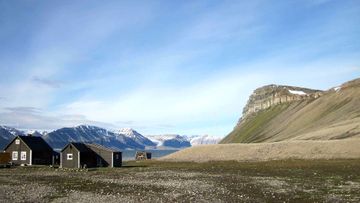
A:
x: 155, y: 181
x: 294, y: 149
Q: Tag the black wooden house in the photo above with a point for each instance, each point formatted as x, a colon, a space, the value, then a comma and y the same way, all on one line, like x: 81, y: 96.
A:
x: 80, y: 155
x: 30, y: 150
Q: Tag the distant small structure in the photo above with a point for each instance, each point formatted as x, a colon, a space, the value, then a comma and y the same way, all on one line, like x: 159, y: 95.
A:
x: 82, y: 155
x: 30, y: 150
x: 142, y: 155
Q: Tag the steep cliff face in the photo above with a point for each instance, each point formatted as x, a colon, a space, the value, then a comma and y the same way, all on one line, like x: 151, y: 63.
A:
x: 271, y: 95
x: 276, y: 113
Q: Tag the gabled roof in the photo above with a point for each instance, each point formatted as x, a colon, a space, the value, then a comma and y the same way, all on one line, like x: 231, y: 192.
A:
x: 86, y: 147
x: 102, y: 147
x: 81, y: 147
x: 34, y: 143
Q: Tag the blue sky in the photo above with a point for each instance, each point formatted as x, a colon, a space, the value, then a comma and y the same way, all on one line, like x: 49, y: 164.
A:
x: 183, y: 67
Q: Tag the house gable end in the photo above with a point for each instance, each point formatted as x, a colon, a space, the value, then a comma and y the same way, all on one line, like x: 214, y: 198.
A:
x: 17, y: 137
x: 68, y: 146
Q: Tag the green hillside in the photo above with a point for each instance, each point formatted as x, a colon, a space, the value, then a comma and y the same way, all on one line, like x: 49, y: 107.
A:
x: 334, y: 115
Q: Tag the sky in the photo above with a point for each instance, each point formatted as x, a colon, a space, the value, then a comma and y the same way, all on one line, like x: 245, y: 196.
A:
x: 184, y: 67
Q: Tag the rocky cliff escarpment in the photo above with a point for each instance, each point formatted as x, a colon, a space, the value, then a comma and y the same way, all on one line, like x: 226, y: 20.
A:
x: 270, y: 95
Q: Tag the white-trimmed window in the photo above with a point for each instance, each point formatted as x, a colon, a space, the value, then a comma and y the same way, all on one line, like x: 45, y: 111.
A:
x: 23, y: 155
x: 14, y: 156
x: 17, y: 141
x: 69, y: 156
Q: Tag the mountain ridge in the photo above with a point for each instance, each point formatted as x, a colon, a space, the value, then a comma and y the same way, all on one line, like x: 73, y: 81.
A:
x: 271, y: 95
x: 315, y: 115
x: 122, y: 139
x: 137, y: 137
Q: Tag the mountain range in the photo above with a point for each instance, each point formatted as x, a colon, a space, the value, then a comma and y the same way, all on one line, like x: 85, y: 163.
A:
x: 122, y: 139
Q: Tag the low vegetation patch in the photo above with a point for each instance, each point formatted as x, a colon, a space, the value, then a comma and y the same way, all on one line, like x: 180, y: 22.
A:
x: 155, y: 181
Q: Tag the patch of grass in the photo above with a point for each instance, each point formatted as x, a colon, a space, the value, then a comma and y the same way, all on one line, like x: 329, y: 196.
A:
x: 251, y: 129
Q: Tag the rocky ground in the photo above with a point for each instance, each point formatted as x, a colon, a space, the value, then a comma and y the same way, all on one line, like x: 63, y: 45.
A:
x: 153, y: 181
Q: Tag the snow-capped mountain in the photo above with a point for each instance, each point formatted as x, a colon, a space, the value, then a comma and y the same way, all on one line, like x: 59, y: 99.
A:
x: 92, y: 134
x: 38, y: 133
x: 170, y: 141
x: 137, y: 137
x: 12, y: 130
x: 7, y: 134
x: 125, y: 138
x: 205, y: 139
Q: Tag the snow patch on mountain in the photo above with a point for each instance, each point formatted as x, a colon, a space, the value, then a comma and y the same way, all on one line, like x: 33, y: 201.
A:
x: 337, y: 89
x: 205, y: 139
x: 38, y: 133
x: 137, y: 137
x: 170, y: 141
x: 298, y: 92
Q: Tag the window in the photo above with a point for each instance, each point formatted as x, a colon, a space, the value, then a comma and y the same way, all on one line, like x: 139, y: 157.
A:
x: 117, y: 156
x: 15, y: 156
x: 23, y: 156
x: 69, y: 156
x: 17, y: 141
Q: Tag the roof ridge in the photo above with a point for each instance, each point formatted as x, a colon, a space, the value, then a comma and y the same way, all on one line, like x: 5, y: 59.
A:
x: 101, y: 146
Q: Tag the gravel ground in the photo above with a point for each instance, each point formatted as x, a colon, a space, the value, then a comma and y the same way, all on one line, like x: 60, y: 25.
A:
x: 153, y: 181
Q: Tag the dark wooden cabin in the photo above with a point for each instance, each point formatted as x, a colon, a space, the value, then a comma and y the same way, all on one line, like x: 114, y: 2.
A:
x: 80, y: 155
x: 106, y: 157
x: 30, y: 150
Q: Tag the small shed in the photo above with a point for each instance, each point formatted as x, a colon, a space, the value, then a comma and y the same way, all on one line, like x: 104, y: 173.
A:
x: 5, y: 159
x: 29, y: 150
x: 142, y: 155
x: 80, y: 155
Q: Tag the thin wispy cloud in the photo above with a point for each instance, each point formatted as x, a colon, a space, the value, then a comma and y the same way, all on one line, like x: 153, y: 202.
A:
x: 23, y: 109
x: 47, y: 82
x: 165, y: 67
x: 28, y: 117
